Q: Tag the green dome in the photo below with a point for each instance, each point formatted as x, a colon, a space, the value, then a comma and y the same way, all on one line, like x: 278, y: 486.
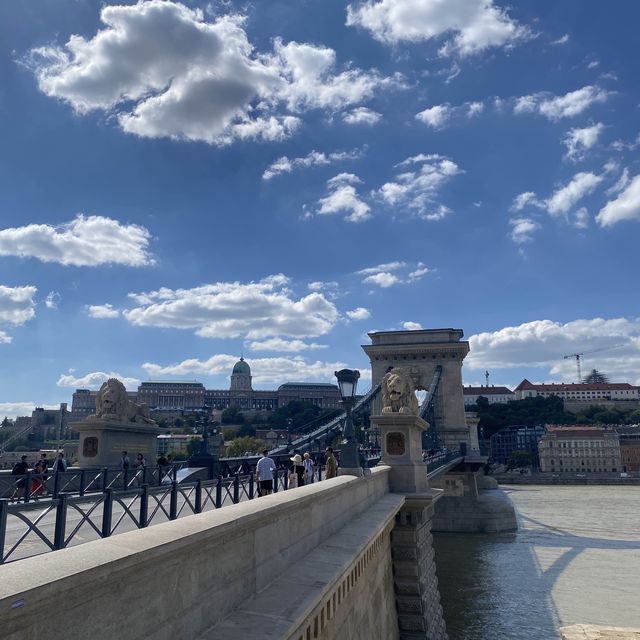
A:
x: 241, y: 367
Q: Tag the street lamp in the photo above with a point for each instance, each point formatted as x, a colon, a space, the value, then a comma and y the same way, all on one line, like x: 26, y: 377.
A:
x: 289, y: 422
x: 347, y: 382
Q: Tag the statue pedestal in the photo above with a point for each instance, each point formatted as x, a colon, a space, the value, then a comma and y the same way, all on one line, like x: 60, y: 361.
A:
x: 103, y: 441
x: 401, y: 436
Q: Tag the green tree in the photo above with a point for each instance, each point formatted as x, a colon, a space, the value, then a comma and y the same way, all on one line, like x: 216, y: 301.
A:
x: 232, y: 415
x: 6, y: 423
x: 193, y: 447
x: 595, y: 377
x: 520, y: 459
x: 240, y: 446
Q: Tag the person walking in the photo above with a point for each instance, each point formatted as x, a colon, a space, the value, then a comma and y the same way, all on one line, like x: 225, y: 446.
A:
x: 331, y: 465
x: 139, y: 466
x: 60, y: 465
x: 44, y: 463
x: 37, y: 484
x: 296, y: 472
x: 264, y: 473
x: 309, y: 467
x: 20, y: 469
x: 124, y: 461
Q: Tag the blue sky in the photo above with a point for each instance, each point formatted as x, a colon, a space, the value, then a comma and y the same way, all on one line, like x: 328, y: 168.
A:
x: 182, y: 183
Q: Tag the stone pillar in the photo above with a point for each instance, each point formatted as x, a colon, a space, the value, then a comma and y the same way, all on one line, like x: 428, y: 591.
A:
x: 415, y: 581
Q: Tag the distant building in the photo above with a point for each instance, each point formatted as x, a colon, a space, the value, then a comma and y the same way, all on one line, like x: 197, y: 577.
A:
x: 579, y: 449
x: 177, y: 397
x: 493, y: 394
x: 629, y: 437
x: 174, y: 442
x: 516, y: 438
x: 594, y: 391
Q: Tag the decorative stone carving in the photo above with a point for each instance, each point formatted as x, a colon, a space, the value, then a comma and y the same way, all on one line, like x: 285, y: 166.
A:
x: 112, y: 404
x: 399, y: 393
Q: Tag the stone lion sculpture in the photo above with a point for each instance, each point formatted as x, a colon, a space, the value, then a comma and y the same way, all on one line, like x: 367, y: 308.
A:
x: 399, y: 393
x: 112, y: 403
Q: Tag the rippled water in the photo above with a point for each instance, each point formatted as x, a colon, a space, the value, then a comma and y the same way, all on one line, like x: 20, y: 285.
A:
x: 575, y: 559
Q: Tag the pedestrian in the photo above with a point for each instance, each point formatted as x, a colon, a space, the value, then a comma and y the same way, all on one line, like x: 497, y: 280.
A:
x: 60, y: 465
x: 309, y: 467
x: 331, y: 464
x: 37, y: 484
x: 264, y: 473
x: 139, y: 466
x: 124, y: 461
x: 20, y: 469
x: 296, y: 472
x: 44, y: 463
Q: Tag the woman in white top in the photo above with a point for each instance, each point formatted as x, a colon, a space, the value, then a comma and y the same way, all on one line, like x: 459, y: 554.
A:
x: 309, y: 467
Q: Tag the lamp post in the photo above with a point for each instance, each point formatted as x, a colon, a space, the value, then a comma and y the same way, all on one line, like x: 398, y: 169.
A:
x: 348, y: 381
x: 289, y: 442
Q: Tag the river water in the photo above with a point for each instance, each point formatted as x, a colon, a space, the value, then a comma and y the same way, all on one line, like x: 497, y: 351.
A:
x: 575, y: 559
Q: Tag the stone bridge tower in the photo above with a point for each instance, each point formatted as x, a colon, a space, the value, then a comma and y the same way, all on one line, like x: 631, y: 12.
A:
x: 420, y: 353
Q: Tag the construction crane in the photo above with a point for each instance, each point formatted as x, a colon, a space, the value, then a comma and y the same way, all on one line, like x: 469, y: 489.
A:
x: 578, y: 356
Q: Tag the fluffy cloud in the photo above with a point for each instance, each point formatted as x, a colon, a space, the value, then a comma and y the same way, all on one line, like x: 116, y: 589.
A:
x: 411, y: 326
x: 581, y: 185
x: 524, y: 199
x: 164, y: 71
x: 625, y: 207
x: 95, y: 379
x: 14, y: 409
x: 102, y: 311
x: 477, y: 24
x: 255, y: 310
x: 435, y: 117
x: 52, y: 300
x: 579, y: 141
x: 359, y: 313
x: 278, y: 344
x: 562, y: 40
x: 383, y: 279
x: 418, y: 188
x: 386, y: 275
x: 343, y: 198
x: 362, y: 115
x: 522, y: 229
x: 17, y: 305
x: 557, y: 107
x: 615, y: 344
x: 86, y: 241
x: 5, y: 338
x: 272, y: 371
x: 314, y: 158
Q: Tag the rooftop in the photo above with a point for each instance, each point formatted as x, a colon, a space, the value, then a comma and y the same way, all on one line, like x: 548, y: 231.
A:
x: 574, y: 386
x: 485, y: 391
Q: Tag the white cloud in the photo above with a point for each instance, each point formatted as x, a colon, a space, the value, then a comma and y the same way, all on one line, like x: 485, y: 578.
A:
x: 278, y: 344
x: 579, y: 141
x: 95, y: 379
x: 17, y: 305
x: 522, y: 229
x: 5, y: 338
x: 543, y: 343
x: 256, y: 310
x: 411, y: 326
x: 625, y: 207
x: 524, y: 199
x: 14, y: 409
x: 362, y: 115
x: 383, y: 279
x: 86, y: 241
x: 474, y: 108
x: 621, y: 145
x: 52, y: 300
x: 436, y: 116
x: 162, y: 70
x: 387, y: 266
x: 343, y: 198
x: 314, y: 158
x: 417, y: 189
x: 272, y: 371
x: 477, y: 24
x: 557, y: 107
x: 102, y: 311
x: 359, y: 313
x: 620, y: 184
x: 562, y: 40
x: 581, y: 218
x: 419, y: 273
x: 581, y: 185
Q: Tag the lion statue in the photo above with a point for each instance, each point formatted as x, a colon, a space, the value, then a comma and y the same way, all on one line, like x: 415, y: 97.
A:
x: 112, y: 403
x: 399, y: 393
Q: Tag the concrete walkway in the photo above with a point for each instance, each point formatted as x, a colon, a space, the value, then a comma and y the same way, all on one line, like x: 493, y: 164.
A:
x: 593, y: 632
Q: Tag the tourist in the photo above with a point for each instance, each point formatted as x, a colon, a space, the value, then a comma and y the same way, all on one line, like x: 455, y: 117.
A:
x: 60, y: 465
x: 264, y: 473
x: 124, y: 461
x: 309, y: 467
x: 331, y: 465
x: 296, y: 472
x: 44, y: 463
x: 20, y: 469
x: 37, y: 485
x: 139, y: 466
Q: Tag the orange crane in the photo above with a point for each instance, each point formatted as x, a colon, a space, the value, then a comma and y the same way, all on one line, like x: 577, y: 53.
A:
x: 578, y: 356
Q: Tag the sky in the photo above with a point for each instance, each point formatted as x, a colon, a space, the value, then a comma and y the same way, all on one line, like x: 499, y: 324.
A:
x: 185, y: 183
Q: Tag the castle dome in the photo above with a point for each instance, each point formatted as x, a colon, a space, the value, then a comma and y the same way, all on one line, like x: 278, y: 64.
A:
x: 241, y: 367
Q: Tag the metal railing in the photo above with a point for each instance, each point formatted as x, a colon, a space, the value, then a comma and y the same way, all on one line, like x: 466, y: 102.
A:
x: 441, y: 459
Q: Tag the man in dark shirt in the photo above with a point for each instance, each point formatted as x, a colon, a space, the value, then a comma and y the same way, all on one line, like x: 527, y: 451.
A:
x: 20, y: 469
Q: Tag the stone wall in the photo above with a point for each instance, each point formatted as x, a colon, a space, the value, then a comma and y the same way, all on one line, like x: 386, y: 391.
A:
x: 312, y: 557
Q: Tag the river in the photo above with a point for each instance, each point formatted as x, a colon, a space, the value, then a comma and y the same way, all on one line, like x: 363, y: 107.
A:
x: 575, y: 559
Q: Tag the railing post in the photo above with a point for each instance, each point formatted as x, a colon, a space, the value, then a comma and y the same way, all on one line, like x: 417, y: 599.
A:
x: 285, y: 479
x: 275, y: 481
x: 61, y: 522
x: 198, y: 498
x: 144, y: 475
x: 144, y: 505
x: 82, y: 482
x: 27, y: 487
x: 174, y: 473
x: 173, y: 503
x: 56, y: 484
x: 251, y: 486
x: 236, y: 489
x: 105, y: 478
x: 219, y: 493
x: 4, y: 510
x: 107, y: 512
x: 125, y: 479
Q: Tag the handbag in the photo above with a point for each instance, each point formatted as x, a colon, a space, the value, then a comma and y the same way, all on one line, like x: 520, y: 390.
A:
x: 293, y: 479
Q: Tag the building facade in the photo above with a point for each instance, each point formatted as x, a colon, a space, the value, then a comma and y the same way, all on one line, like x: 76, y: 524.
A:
x: 176, y: 397
x: 579, y: 449
x: 493, y: 394
x: 596, y: 391
x: 629, y: 436
x: 516, y: 438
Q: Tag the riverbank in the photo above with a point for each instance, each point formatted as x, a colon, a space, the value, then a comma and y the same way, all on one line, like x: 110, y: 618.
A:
x: 568, y: 479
